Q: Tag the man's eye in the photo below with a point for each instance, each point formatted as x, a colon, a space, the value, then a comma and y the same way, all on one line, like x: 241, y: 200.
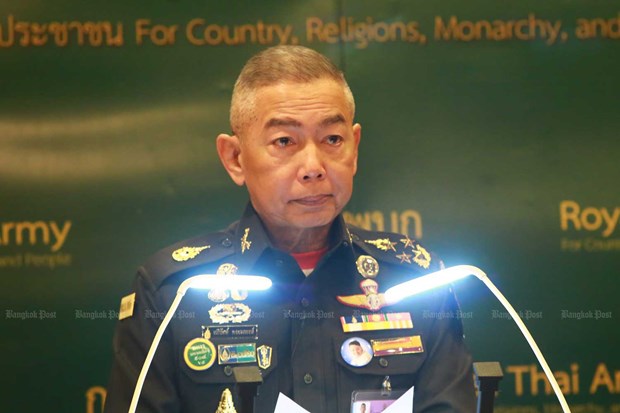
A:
x: 282, y: 142
x: 334, y: 139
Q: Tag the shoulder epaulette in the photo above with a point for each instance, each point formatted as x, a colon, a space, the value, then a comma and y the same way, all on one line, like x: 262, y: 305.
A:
x: 394, y: 248
x: 187, y: 254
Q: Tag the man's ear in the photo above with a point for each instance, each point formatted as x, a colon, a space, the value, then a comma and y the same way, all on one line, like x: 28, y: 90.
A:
x: 357, y: 135
x: 229, y: 151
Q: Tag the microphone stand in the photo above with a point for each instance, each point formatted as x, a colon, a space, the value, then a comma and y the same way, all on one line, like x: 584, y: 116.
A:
x: 488, y: 374
x: 248, y: 379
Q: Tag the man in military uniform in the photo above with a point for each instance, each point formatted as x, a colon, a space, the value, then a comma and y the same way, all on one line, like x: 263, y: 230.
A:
x: 294, y: 146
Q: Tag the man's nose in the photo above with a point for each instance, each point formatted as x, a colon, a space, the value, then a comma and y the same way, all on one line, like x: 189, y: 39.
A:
x: 312, y: 167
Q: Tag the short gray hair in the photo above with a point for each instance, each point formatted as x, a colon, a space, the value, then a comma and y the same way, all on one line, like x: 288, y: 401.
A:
x: 275, y: 65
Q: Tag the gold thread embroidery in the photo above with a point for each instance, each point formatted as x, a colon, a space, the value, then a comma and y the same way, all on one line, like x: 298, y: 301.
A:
x: 245, y: 244
x: 422, y: 257
x: 383, y: 244
x: 187, y: 253
x: 408, y: 242
x: 404, y: 257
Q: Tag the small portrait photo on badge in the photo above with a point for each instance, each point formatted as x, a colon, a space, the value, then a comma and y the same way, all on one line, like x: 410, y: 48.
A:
x: 356, y: 352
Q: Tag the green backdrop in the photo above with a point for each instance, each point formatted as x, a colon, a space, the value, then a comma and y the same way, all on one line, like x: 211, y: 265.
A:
x: 490, y: 131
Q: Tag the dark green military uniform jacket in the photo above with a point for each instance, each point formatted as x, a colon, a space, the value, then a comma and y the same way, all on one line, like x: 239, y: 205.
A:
x: 298, y: 320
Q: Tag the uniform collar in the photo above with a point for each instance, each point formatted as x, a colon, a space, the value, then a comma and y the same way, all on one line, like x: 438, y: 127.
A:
x: 251, y: 241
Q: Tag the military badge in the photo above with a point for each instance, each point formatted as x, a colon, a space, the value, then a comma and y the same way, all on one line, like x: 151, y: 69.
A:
x: 367, y: 266
x: 199, y: 354
x: 231, y: 269
x: 264, y: 356
x: 187, y: 253
x: 238, y: 295
x: 369, y: 287
x: 371, y: 322
x: 219, y: 295
x: 227, y: 269
x: 230, y: 313
x: 370, y: 300
x: 236, y: 353
x: 397, y: 345
x: 242, y: 332
x: 373, y: 302
x: 356, y: 352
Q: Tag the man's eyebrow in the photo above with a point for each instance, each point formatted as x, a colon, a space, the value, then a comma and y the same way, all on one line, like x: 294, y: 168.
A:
x: 332, y: 120
x: 275, y: 122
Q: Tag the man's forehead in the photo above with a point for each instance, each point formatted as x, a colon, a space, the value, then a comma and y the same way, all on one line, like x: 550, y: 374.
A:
x: 286, y: 121
x: 295, y: 85
x: 290, y: 91
x: 291, y: 104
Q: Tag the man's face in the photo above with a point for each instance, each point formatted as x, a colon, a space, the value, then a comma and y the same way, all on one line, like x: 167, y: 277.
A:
x: 356, y: 350
x: 299, y: 154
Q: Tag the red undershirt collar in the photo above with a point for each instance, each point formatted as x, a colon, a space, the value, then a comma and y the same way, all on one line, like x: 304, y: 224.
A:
x: 309, y: 260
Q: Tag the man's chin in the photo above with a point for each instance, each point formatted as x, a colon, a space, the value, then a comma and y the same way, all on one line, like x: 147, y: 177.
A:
x: 313, y: 219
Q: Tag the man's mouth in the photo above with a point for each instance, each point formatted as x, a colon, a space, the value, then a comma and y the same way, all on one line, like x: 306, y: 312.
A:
x: 313, y: 200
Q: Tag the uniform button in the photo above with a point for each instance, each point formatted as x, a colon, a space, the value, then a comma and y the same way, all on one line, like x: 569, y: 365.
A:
x: 308, y: 378
x: 345, y: 243
x: 228, y: 371
x: 226, y: 242
x: 305, y: 302
x: 279, y: 263
x: 383, y: 362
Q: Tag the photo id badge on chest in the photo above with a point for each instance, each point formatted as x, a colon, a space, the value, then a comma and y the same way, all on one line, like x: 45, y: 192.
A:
x: 376, y: 401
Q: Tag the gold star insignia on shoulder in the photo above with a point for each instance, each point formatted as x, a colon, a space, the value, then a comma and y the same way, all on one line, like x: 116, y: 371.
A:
x: 245, y: 244
x: 187, y: 253
x: 422, y: 257
x: 383, y: 244
x: 407, y: 242
x: 404, y: 257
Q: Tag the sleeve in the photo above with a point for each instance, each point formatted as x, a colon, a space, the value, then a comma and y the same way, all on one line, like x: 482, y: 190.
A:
x: 132, y: 340
x: 445, y: 381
